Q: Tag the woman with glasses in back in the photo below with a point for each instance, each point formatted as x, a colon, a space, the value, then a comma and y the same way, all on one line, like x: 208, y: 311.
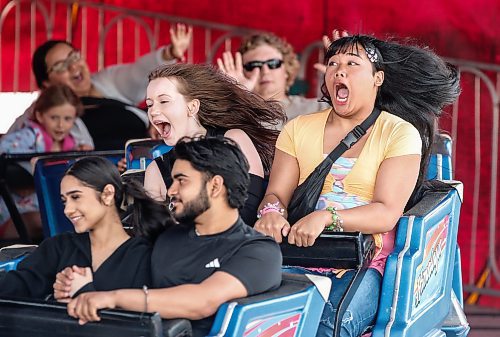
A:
x: 110, y: 96
x: 268, y: 66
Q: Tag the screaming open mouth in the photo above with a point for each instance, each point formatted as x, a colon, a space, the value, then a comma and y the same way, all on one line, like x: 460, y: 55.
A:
x: 163, y: 128
x: 341, y: 93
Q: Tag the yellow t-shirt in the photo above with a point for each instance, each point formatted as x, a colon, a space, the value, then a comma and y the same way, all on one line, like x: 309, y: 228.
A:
x: 391, y: 136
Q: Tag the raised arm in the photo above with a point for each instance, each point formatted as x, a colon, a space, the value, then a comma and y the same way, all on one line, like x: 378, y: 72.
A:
x: 128, y: 82
x: 233, y: 67
x: 180, y: 38
x: 336, y: 34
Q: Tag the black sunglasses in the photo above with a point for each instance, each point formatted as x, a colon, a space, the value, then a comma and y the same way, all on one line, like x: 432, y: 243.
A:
x: 271, y: 64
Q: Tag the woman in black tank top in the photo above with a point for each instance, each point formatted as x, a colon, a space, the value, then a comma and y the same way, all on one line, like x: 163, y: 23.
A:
x: 189, y: 100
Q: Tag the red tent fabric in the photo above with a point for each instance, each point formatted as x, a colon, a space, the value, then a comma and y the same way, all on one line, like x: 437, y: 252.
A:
x: 456, y: 29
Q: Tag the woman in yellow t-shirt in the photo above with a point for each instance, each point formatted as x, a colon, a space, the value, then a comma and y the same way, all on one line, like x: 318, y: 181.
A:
x: 368, y: 187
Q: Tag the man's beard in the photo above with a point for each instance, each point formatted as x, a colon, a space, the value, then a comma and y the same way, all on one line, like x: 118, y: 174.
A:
x: 192, y: 209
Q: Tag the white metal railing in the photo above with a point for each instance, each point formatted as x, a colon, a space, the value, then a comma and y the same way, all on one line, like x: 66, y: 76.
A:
x: 150, y: 30
x: 486, y: 83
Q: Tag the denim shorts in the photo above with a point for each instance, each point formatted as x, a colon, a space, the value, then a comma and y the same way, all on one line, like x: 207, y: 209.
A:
x: 362, y: 310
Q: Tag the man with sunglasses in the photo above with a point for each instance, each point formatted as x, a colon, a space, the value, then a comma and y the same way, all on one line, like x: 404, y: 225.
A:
x: 268, y: 66
x: 110, y: 96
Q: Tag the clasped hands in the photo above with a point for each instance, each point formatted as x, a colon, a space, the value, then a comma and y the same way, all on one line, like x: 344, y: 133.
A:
x: 69, y: 281
x: 84, y: 307
x: 303, y: 234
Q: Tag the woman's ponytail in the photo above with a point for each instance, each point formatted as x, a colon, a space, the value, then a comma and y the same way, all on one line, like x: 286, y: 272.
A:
x: 147, y: 217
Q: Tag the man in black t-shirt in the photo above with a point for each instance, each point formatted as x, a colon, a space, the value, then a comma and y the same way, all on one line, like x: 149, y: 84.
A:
x: 211, y: 256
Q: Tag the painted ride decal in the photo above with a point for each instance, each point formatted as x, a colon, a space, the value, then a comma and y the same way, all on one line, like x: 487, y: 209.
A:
x: 430, y: 271
x: 275, y: 326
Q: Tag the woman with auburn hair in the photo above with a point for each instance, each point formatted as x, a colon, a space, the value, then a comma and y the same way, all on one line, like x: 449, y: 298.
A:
x: 189, y: 100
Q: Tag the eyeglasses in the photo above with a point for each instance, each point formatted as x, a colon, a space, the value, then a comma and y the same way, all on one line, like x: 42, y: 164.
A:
x: 271, y: 64
x: 63, y: 65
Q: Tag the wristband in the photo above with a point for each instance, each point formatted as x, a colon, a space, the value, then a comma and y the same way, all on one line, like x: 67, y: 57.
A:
x: 337, y: 222
x: 270, y: 208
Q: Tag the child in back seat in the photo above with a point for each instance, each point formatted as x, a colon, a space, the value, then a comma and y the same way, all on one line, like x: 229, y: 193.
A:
x: 56, y: 109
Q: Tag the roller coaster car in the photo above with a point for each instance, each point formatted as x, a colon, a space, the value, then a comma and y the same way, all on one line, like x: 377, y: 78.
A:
x: 421, y: 290
x: 49, y: 171
x: 48, y: 174
x: 417, y: 298
x: 36, y: 318
x: 10, y: 256
x: 140, y: 152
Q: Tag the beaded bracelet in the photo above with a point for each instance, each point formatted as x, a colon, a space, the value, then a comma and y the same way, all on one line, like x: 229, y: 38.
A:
x: 269, y: 208
x: 337, y: 222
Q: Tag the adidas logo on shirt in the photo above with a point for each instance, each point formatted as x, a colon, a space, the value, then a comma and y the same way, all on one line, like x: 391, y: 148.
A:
x: 213, y: 264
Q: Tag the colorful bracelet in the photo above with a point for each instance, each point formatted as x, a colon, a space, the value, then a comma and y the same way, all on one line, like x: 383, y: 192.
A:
x: 269, y: 208
x: 337, y: 222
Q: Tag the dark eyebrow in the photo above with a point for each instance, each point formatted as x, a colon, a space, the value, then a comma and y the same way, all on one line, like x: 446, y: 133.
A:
x: 70, y: 192
x: 354, y: 54
x: 179, y: 175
